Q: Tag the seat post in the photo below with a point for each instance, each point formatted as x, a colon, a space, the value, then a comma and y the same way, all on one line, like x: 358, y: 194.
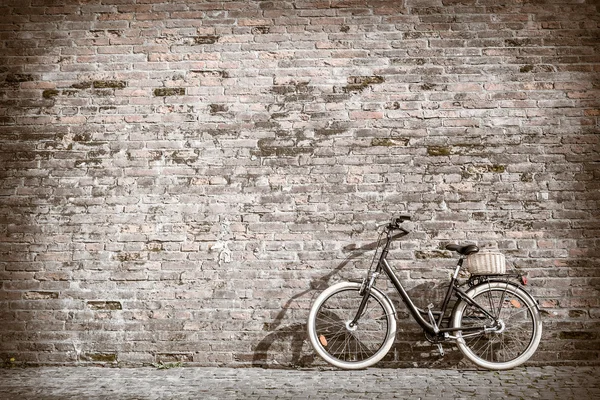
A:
x: 458, y: 266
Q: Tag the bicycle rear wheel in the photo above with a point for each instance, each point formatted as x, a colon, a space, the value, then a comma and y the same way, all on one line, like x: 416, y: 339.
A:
x: 516, y: 318
x: 345, y: 346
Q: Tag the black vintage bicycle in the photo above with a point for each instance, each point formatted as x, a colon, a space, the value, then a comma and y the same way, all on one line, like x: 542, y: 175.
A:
x: 494, y: 321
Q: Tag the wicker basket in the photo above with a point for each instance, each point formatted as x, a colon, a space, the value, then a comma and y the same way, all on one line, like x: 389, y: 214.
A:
x: 486, y: 263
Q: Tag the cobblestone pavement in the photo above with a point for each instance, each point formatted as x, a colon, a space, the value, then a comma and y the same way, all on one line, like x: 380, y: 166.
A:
x: 581, y: 383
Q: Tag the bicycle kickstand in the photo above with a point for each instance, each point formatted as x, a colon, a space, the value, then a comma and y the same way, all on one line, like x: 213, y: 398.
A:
x: 435, y: 328
x: 440, y: 349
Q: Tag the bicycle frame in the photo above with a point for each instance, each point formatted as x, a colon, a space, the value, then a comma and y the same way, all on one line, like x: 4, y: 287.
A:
x: 491, y: 318
x: 433, y: 326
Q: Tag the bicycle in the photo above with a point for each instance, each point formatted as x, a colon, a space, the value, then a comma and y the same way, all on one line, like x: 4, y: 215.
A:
x: 494, y: 322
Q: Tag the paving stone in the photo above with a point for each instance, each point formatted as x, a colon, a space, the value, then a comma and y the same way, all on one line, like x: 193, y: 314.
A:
x: 226, y: 383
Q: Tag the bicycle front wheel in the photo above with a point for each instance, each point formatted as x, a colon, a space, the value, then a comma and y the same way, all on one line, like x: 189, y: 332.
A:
x: 346, y: 346
x: 517, y: 326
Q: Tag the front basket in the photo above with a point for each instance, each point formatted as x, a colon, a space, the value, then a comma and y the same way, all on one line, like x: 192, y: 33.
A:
x: 486, y: 263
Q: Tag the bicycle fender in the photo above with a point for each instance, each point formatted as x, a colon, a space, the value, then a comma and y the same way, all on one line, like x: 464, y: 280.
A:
x: 469, y: 293
x: 388, y: 300
x: 537, y: 304
x: 358, y: 282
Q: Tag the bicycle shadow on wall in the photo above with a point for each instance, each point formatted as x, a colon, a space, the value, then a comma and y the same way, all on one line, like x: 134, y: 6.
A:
x: 287, y: 346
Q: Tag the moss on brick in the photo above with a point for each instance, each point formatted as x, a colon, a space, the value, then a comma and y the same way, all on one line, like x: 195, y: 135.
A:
x: 88, y: 163
x: 211, y: 72
x: 206, y: 39
x: 366, y: 80
x: 526, y: 68
x: 428, y: 86
x: 282, y: 151
x: 388, y: 142
x: 527, y: 177
x: 518, y: 42
x: 82, y: 85
x: 18, y: 78
x: 49, y: 93
x: 498, y: 169
x: 539, y: 68
x: 218, y: 108
x: 330, y: 131
x: 109, y: 84
x: 437, y: 151
x: 267, y: 148
x: 39, y: 295
x: 577, y: 313
x: 261, y: 30
x: 163, y: 92
x: 360, y: 83
x: 123, y: 257
x: 99, y: 357
x: 105, y: 305
x: 425, y: 255
x: 295, y: 91
x: 577, y: 335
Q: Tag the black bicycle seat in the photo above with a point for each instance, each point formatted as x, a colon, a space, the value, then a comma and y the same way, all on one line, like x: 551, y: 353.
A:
x: 464, y: 250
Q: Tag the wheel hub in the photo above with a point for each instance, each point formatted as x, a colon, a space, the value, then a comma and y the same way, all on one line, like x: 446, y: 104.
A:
x: 350, y: 327
x: 500, y: 326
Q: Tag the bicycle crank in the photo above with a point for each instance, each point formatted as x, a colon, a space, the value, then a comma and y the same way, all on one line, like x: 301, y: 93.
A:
x: 437, y: 339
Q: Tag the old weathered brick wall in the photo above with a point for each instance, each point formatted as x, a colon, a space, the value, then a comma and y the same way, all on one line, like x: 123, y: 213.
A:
x: 179, y: 179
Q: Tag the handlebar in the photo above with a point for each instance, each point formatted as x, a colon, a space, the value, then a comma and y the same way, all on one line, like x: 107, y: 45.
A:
x: 395, y: 224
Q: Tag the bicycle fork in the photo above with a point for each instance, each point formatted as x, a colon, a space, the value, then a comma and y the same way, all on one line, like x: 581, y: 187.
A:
x: 364, y: 291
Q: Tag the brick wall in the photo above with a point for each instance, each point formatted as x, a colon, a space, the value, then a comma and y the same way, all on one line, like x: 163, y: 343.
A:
x: 179, y: 179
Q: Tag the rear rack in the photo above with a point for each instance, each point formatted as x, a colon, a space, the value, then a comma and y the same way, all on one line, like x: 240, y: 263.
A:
x: 477, y: 279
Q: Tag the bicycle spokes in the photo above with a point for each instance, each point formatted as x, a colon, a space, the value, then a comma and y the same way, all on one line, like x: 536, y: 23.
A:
x: 346, y: 341
x: 351, y: 341
x: 509, y: 337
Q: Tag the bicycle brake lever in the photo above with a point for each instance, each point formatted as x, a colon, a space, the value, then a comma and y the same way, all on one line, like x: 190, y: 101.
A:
x: 395, y: 224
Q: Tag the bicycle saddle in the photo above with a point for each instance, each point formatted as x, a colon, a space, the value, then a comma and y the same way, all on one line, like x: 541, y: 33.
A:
x: 464, y: 250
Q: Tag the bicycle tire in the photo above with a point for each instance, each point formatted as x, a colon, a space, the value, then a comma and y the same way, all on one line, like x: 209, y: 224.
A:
x: 347, y: 347
x: 522, y: 326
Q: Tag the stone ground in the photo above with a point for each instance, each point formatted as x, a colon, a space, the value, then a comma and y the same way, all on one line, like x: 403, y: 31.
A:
x: 563, y: 383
